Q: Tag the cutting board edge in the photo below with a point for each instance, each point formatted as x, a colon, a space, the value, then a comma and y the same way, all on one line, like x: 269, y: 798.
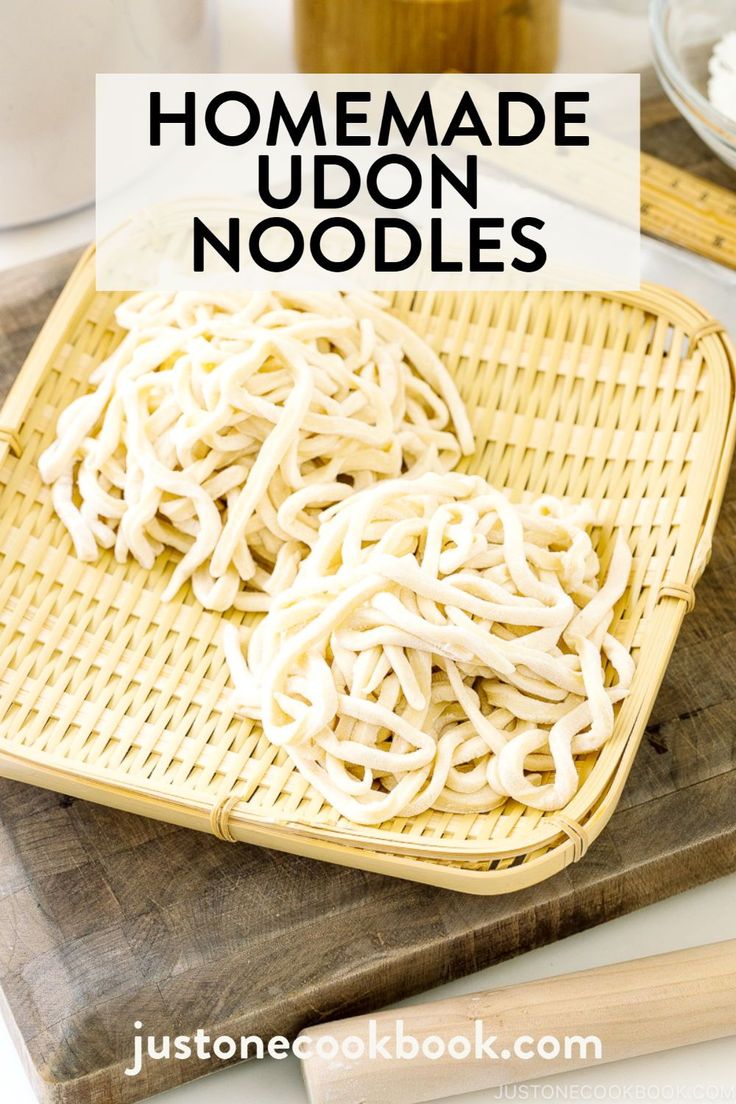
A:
x: 611, y: 904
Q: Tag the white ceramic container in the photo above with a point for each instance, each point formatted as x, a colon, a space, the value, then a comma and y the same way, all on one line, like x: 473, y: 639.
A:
x: 50, y: 51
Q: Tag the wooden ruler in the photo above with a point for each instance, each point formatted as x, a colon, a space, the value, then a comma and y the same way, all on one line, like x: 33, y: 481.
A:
x: 687, y: 210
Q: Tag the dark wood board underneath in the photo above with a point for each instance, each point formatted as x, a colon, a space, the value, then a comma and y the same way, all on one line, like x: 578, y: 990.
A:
x: 106, y: 918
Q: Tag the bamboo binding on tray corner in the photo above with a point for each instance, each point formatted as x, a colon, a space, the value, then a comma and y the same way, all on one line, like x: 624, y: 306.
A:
x: 623, y: 399
x: 574, y: 831
x: 11, y: 439
x: 683, y: 592
x: 714, y: 328
x: 220, y: 817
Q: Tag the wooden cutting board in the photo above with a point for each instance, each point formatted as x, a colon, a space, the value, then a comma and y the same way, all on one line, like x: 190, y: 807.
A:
x: 239, y: 941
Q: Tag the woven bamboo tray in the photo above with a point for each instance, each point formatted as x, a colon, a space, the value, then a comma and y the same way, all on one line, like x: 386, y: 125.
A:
x: 106, y: 694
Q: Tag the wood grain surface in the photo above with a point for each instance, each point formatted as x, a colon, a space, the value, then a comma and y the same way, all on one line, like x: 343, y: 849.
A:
x: 684, y: 997
x: 106, y: 918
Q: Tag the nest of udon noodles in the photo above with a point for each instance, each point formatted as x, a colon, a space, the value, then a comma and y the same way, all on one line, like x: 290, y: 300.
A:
x: 440, y: 648
x: 223, y: 425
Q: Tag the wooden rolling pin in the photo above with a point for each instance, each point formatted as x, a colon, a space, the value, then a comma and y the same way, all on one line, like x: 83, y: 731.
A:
x: 633, y: 1008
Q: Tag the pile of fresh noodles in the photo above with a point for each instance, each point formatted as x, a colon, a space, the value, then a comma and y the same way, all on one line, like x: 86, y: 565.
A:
x: 223, y: 425
x: 438, y: 649
x: 427, y: 645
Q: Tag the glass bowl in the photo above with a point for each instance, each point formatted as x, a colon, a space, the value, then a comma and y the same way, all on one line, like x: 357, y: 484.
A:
x: 684, y: 33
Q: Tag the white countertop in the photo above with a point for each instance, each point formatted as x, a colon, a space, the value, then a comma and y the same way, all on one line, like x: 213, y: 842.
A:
x: 255, y: 36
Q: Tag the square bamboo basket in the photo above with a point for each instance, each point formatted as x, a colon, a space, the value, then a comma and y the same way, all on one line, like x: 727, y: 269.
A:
x: 111, y: 696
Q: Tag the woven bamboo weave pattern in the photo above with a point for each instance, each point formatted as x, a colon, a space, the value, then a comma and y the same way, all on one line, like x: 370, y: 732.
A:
x: 108, y: 693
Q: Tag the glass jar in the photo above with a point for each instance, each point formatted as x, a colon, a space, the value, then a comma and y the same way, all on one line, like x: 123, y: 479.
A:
x: 426, y: 36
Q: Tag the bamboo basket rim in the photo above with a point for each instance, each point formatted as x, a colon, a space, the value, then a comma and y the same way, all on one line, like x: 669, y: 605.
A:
x: 555, y: 839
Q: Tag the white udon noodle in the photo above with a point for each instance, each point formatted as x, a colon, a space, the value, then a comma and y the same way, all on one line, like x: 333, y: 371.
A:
x: 223, y: 425
x: 438, y: 649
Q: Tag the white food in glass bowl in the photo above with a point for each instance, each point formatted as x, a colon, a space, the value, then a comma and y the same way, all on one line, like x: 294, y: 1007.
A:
x: 722, y: 82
